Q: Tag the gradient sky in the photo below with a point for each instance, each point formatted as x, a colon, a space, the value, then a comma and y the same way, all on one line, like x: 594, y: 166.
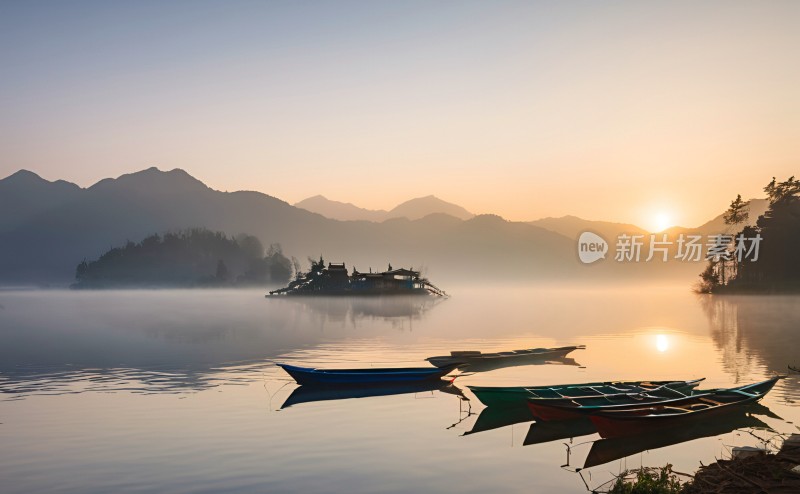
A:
x: 606, y: 110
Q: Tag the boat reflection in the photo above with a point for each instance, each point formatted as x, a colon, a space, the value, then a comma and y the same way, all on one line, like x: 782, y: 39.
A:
x: 607, y: 450
x: 490, y: 365
x: 497, y: 417
x: 310, y: 394
x: 544, y: 432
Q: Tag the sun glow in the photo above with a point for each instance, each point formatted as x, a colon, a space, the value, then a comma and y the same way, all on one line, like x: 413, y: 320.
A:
x: 662, y: 343
x: 661, y: 221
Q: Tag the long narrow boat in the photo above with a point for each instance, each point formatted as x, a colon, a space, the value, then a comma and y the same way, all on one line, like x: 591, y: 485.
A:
x: 518, y: 395
x: 368, y: 376
x: 498, y: 359
x: 570, y: 408
x: 616, y: 423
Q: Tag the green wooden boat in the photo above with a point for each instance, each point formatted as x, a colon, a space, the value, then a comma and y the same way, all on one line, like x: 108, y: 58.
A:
x: 509, y: 396
x: 570, y: 408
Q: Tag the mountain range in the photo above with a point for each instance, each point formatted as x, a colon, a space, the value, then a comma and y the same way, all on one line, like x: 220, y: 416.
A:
x: 47, y: 228
x: 568, y: 226
x: 413, y: 209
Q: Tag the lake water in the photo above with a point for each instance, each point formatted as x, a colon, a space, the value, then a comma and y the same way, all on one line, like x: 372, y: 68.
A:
x: 175, y: 391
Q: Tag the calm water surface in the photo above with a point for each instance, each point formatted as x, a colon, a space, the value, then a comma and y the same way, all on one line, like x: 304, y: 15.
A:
x: 175, y: 391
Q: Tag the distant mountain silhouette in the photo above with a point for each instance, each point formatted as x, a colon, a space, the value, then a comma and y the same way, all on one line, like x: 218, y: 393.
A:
x: 336, y: 210
x: 572, y: 227
x: 48, y: 228
x: 25, y: 195
x: 57, y: 231
x: 423, y: 206
x: 717, y: 224
x: 413, y: 209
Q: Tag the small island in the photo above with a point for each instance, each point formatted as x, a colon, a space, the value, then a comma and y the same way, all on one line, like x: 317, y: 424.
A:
x: 186, y: 259
x: 334, y: 280
x: 773, y: 265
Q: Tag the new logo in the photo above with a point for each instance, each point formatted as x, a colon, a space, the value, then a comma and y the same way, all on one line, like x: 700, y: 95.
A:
x: 591, y: 247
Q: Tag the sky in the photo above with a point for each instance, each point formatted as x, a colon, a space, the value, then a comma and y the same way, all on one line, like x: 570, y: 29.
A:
x: 640, y: 112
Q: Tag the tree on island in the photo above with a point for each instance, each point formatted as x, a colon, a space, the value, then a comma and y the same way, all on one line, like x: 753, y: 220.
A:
x: 715, y: 272
x: 222, y: 272
x: 778, y: 265
x: 195, y: 257
x: 738, y: 211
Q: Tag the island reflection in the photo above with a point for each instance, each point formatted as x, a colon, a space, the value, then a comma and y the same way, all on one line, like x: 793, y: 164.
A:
x: 172, y: 340
x: 756, y: 333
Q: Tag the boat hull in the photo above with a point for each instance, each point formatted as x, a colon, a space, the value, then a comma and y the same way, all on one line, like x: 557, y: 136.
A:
x: 544, y: 412
x: 363, y: 377
x: 566, y: 409
x: 619, y: 423
x: 519, y: 395
x: 518, y: 357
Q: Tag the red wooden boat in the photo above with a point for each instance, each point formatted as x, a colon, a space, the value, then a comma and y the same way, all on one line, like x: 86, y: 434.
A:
x: 616, y: 423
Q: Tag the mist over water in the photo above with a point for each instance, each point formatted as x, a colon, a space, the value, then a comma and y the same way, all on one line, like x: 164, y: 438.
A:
x: 176, y: 391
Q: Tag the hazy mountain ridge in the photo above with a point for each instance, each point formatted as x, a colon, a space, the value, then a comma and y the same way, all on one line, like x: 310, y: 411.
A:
x: 48, y: 245
x: 717, y: 224
x: 25, y: 195
x: 573, y: 226
x: 343, y: 211
x: 47, y: 228
x: 412, y: 209
x: 423, y: 206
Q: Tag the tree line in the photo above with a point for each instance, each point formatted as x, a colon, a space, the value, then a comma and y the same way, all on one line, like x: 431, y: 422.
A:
x: 188, y: 258
x: 777, y: 268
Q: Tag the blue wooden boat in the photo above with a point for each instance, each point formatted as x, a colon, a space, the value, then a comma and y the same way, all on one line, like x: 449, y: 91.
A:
x: 364, y: 377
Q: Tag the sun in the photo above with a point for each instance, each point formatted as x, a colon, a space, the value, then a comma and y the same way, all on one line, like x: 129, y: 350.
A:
x: 661, y: 221
x: 662, y: 343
